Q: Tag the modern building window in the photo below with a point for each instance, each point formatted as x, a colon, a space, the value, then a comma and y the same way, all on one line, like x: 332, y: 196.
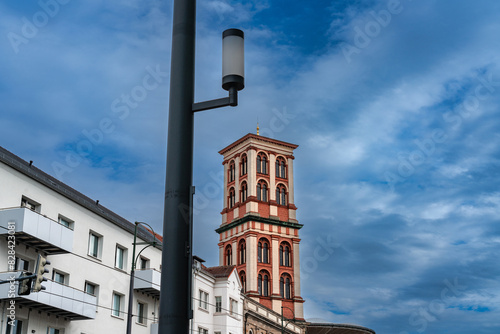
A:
x: 281, y: 194
x: 262, y: 191
x: 231, y: 171
x: 233, y: 306
x: 229, y: 255
x: 30, y: 204
x: 231, y: 198
x: 262, y: 163
x: 280, y: 168
x: 203, y: 300
x: 142, y: 313
x: 22, y: 264
x: 218, y: 304
x: 92, y: 289
x: 95, y: 244
x: 242, y: 252
x: 120, y: 257
x: 17, y: 328
x: 143, y: 263
x: 116, y: 306
x: 60, y: 277
x: 243, y: 192
x: 202, y: 330
x: 243, y: 165
x: 65, y: 221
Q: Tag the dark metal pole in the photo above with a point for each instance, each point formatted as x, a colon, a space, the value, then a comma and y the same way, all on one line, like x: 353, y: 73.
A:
x: 175, y: 304
x: 131, y: 287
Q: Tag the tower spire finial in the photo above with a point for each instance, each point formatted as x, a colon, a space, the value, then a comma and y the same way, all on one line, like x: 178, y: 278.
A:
x: 258, y: 128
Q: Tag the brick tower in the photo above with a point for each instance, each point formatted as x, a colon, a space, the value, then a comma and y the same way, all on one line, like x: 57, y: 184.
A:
x: 259, y: 231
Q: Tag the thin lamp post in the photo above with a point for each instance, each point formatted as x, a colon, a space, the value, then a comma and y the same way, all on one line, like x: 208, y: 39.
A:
x: 176, y: 278
x: 282, y: 318
x: 132, y: 272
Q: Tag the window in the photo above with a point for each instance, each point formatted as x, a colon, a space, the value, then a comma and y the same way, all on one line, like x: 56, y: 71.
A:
x: 141, y: 313
x: 243, y: 164
x: 281, y: 194
x: 262, y: 163
x: 263, y: 251
x: 242, y: 252
x: 202, y: 330
x: 120, y: 257
x: 243, y: 279
x: 218, y: 304
x: 143, y: 263
x: 59, y: 277
x: 280, y: 168
x: 243, y: 192
x: 231, y: 198
x: 229, y: 255
x: 95, y: 242
x: 203, y: 302
x: 30, y: 204
x: 231, y: 171
x: 18, y: 327
x: 233, y: 306
x: 91, y: 288
x: 51, y: 330
x: 22, y: 264
x: 116, y: 306
x: 263, y: 284
x: 262, y: 191
x: 285, y: 286
x: 285, y: 255
x: 65, y: 221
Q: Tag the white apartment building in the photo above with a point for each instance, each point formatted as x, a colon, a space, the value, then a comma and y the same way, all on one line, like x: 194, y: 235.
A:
x: 90, y: 252
x: 218, y: 301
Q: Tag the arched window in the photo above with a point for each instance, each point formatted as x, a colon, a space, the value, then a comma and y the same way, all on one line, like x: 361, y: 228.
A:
x: 243, y: 279
x: 285, y: 286
x: 231, y: 171
x: 263, y: 283
x: 243, y: 165
x: 285, y: 255
x: 231, y: 198
x: 229, y: 255
x: 281, y: 194
x: 262, y: 191
x: 242, y: 252
x: 262, y: 163
x: 263, y: 251
x: 280, y: 167
x: 243, y: 192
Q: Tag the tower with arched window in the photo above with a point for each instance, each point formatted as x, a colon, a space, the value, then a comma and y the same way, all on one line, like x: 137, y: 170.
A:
x: 259, y: 233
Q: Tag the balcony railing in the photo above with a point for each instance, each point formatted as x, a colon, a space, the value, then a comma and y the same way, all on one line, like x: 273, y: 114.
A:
x: 60, y: 300
x: 148, y: 281
x: 36, y: 230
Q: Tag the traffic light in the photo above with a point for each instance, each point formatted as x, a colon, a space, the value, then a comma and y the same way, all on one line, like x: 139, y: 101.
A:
x: 40, y: 270
x: 24, y: 288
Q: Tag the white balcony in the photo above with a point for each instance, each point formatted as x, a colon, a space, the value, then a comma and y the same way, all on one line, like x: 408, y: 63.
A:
x: 60, y: 300
x: 37, y: 231
x: 148, y: 281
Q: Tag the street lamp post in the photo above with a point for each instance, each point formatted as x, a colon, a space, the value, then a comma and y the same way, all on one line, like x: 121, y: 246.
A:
x: 282, y: 318
x: 176, y: 278
x: 132, y: 272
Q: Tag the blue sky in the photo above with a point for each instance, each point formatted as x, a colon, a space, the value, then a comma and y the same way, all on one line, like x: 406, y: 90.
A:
x: 395, y: 107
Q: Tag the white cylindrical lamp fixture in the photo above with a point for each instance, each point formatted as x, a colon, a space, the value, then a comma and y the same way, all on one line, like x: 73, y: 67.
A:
x: 233, y: 59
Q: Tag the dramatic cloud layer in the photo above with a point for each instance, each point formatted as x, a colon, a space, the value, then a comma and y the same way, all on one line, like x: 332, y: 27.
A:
x: 394, y: 105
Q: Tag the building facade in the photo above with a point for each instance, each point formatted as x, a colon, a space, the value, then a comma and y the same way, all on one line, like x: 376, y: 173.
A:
x: 259, y: 233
